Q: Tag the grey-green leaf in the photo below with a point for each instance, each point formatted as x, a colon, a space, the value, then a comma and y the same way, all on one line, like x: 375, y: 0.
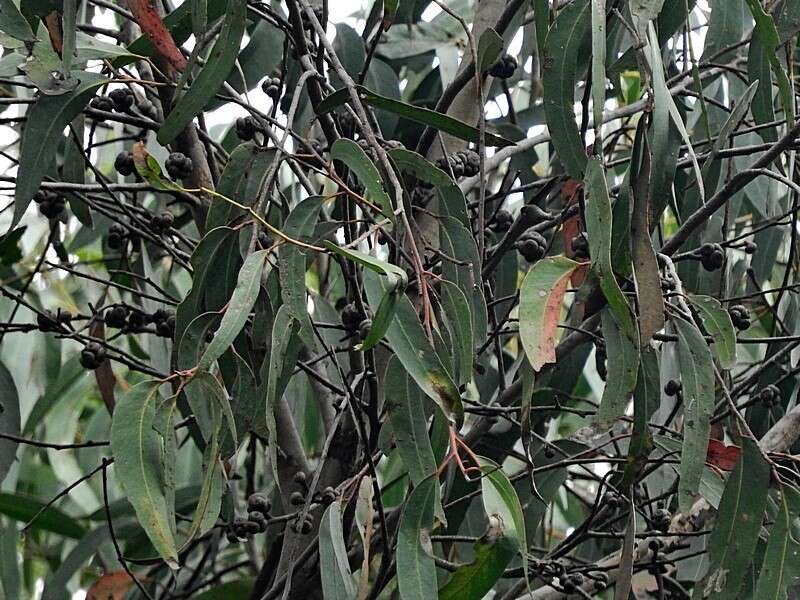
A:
x: 216, y: 69
x: 735, y: 534
x: 416, y: 572
x: 137, y: 449
x: 718, y: 324
x: 568, y: 33
x: 623, y: 367
x: 9, y: 420
x: 337, y: 579
x: 367, y: 173
x: 241, y: 303
x: 697, y: 377
x: 45, y: 124
x: 781, y: 566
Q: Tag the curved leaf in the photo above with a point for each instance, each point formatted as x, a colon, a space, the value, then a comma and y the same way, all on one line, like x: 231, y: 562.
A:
x: 541, y: 295
x: 241, y: 304
x: 337, y: 579
x: 217, y: 68
x: 367, y: 173
x: 718, y: 324
x: 138, y: 456
x: 564, y: 41
x: 9, y: 420
x: 416, y: 571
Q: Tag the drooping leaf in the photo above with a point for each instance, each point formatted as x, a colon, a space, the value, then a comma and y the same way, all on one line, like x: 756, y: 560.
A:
x: 718, y: 324
x: 9, y: 420
x: 367, y: 173
x: 337, y: 579
x: 566, y: 36
x: 457, y: 316
x: 541, y: 296
x: 218, y: 66
x: 44, y: 126
x: 598, y: 21
x: 292, y: 264
x: 22, y: 507
x: 623, y: 367
x: 425, y: 116
x: 646, y: 399
x: 138, y: 452
x: 13, y: 23
x: 697, y: 378
x: 735, y: 534
x: 414, y: 350
x: 781, y: 566
x: 238, y: 309
x: 416, y: 571
x: 599, y: 227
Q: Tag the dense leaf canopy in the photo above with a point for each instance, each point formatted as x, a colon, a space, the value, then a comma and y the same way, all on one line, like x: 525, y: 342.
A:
x: 399, y: 299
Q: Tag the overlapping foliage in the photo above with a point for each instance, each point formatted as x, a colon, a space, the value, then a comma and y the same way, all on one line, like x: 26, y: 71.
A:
x: 409, y: 300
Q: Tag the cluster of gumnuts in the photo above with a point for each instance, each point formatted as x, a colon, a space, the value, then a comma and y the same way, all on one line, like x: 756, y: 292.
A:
x: 532, y: 245
x: 355, y: 321
x: 740, y: 316
x: 47, y: 320
x: 501, y: 221
x: 770, y: 396
x: 271, y: 86
x: 120, y: 99
x: 161, y: 222
x: 118, y: 237
x: 711, y: 256
x: 246, y: 128
x: 504, y: 67
x: 568, y: 581
x: 298, y: 498
x: 124, y: 164
x: 178, y: 165
x: 462, y: 163
x: 92, y: 356
x: 132, y: 320
x: 258, y: 507
x: 385, y: 144
x: 50, y: 203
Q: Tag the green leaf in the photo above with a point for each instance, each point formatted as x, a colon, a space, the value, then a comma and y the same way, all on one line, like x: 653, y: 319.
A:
x: 21, y: 507
x: 282, y: 358
x: 9, y: 420
x: 500, y: 499
x: 416, y: 572
x: 292, y: 264
x: 367, y: 173
x: 598, y: 70
x: 394, y: 281
x: 421, y: 167
x: 240, y: 181
x: 646, y: 400
x: 781, y: 566
x: 431, y: 118
x: 718, y: 324
x: 541, y: 296
x: 599, y: 227
x: 214, y: 243
x: 492, y: 552
x: 566, y: 36
x: 697, y: 378
x: 733, y: 540
x: 623, y: 367
x: 13, y: 23
x: 203, y: 389
x: 337, y: 579
x: 415, y: 352
x: 241, y: 304
x: 409, y: 422
x: 490, y: 48
x: 456, y: 313
x: 44, y: 127
x: 758, y: 72
x: 138, y: 456
x: 10, y: 252
x: 217, y: 68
